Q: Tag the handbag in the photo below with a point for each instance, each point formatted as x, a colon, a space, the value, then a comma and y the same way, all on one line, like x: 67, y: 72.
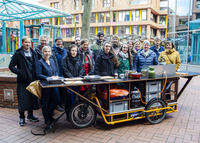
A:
x: 35, y: 88
x: 169, y: 58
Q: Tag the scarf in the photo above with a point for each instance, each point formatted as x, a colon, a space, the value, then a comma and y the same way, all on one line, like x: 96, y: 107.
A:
x: 87, y: 54
x: 137, y: 49
x: 146, y: 53
x: 27, y: 53
x: 124, y: 56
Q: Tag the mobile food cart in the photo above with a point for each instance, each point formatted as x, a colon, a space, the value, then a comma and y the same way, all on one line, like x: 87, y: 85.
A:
x: 152, y: 103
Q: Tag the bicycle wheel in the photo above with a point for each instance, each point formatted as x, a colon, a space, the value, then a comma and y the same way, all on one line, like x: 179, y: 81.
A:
x: 155, y: 117
x: 82, y: 114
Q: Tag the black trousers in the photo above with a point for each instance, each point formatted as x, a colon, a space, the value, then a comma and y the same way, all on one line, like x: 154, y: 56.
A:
x: 21, y: 114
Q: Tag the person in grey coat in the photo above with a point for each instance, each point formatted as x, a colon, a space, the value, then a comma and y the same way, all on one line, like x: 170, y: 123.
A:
x: 145, y: 57
x: 23, y: 63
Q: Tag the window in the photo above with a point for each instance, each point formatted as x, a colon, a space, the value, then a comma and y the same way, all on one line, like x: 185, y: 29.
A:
x: 69, y: 32
x: 69, y: 19
x: 135, y: 30
x: 106, y: 3
x: 93, y: 18
x: 153, y: 32
x: 92, y: 30
x: 134, y: 2
x: 162, y: 20
x: 124, y: 16
x: 107, y: 16
x: 101, y: 17
x: 136, y: 15
x: 62, y: 20
x: 100, y: 29
x: 153, y: 18
x: 123, y: 30
x: 143, y: 30
x: 107, y: 30
x: 76, y: 4
x: 114, y: 16
x: 114, y: 30
x: 77, y: 18
x: 144, y: 14
x: 82, y: 4
x: 162, y: 33
x: 55, y: 5
x: 45, y: 21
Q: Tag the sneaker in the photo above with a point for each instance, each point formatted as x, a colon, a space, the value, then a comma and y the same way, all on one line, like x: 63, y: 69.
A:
x: 22, y: 122
x: 32, y: 118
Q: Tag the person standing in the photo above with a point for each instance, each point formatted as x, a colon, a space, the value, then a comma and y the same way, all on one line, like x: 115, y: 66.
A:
x: 145, y: 57
x: 46, y: 67
x: 98, y: 45
x: 59, y: 51
x: 107, y: 62
x: 132, y: 50
x: 116, y: 44
x: 87, y: 60
x: 78, y: 41
x: 23, y: 63
x: 157, y: 48
x: 170, y: 55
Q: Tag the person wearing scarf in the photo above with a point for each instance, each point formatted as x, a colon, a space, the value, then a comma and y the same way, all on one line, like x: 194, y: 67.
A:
x: 87, y: 59
x: 125, y: 60
x: 72, y: 67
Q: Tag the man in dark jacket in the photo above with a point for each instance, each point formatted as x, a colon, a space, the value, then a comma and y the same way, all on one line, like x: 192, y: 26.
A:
x: 98, y: 45
x: 78, y: 41
x: 145, y: 57
x: 43, y: 39
x: 59, y: 51
x: 157, y: 48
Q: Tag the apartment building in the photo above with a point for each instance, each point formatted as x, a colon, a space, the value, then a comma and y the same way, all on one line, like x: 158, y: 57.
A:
x: 138, y: 18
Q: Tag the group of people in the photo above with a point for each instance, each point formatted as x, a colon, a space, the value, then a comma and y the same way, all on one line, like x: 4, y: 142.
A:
x: 103, y: 58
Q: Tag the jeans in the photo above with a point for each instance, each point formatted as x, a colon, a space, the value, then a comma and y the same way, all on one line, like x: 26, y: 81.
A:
x: 70, y: 98
x: 48, y: 93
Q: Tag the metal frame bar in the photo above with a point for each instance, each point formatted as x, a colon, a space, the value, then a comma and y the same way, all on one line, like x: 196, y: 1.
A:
x: 185, y: 85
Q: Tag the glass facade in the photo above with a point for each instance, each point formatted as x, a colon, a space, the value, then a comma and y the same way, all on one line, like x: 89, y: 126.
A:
x: 183, y: 30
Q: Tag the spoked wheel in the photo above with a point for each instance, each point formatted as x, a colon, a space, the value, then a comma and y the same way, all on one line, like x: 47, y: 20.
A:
x: 155, y: 117
x: 82, y: 114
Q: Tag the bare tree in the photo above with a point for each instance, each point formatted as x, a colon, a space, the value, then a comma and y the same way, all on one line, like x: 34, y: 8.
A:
x: 85, y: 32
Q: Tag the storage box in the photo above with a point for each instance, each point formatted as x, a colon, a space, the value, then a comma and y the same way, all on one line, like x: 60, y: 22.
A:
x: 118, y: 106
x: 151, y: 95
x: 153, y: 86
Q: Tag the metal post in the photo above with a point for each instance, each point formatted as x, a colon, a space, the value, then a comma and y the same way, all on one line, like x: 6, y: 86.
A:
x: 24, y: 31
x: 59, y: 32
x: 54, y: 35
x: 42, y: 29
x: 21, y: 31
x: 188, y: 36
x: 9, y: 41
x: 30, y: 32
x: 4, y: 37
x: 75, y: 28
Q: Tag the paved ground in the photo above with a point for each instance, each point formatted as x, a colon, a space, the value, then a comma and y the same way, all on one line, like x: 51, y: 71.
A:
x: 177, y: 127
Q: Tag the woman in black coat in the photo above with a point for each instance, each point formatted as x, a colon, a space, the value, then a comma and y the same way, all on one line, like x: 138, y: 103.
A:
x: 25, y: 58
x: 46, y: 67
x: 107, y: 61
x: 72, y: 67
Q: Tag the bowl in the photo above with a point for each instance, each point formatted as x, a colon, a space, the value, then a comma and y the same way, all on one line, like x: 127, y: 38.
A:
x: 136, y: 75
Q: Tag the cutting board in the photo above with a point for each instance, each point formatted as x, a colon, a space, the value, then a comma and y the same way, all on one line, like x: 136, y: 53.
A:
x: 107, y: 77
x: 181, y: 73
x: 73, y: 82
x: 74, y: 79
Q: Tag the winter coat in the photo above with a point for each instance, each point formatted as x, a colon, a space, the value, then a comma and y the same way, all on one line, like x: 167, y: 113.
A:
x: 104, y: 66
x: 153, y: 48
x: 39, y: 54
x: 44, y: 71
x: 59, y: 53
x: 91, y: 72
x: 124, y: 65
x: 133, y: 53
x: 140, y: 60
x: 96, y: 47
x: 173, y: 55
x: 26, y: 73
x: 72, y: 67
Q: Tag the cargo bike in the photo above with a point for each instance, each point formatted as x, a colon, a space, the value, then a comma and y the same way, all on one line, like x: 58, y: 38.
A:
x: 152, y: 103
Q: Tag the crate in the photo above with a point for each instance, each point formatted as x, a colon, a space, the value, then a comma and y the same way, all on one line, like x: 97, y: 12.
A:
x: 118, y: 106
x: 153, y: 86
x: 151, y: 95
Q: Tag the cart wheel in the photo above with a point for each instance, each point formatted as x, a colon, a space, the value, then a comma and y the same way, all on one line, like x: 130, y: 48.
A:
x: 155, y: 117
x: 82, y: 114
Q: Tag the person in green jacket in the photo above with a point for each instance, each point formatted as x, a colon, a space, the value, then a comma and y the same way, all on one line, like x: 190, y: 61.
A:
x: 125, y: 60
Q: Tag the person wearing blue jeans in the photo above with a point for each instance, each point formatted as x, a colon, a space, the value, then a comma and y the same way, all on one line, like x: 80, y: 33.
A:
x: 46, y: 68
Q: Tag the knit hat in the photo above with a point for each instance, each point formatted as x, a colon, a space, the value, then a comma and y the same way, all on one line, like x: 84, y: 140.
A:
x: 58, y: 38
